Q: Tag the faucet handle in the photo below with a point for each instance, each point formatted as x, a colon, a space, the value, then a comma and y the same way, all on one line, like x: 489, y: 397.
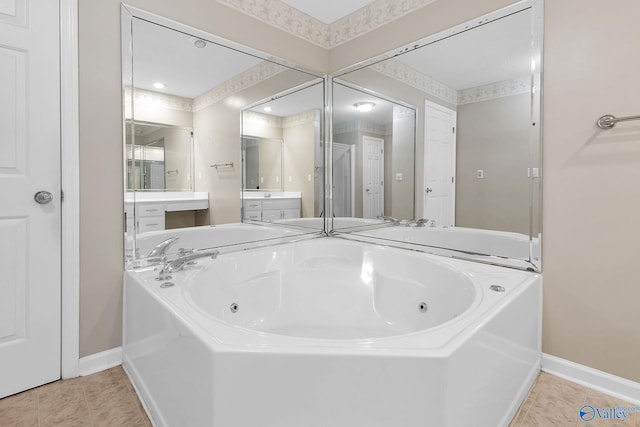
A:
x: 159, y: 252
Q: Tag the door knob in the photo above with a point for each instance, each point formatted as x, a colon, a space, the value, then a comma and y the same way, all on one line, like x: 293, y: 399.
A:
x: 43, y: 197
x: 428, y: 190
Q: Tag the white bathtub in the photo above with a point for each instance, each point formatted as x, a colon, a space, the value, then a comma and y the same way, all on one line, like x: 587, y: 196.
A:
x: 214, y: 237
x: 514, y: 249
x: 332, y: 333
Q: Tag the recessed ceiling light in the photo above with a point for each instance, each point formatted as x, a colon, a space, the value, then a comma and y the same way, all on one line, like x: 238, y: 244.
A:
x: 199, y: 43
x: 159, y: 85
x: 267, y: 109
x: 364, y: 107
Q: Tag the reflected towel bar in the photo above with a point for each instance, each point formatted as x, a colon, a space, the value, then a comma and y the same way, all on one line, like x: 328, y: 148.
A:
x: 217, y: 165
x: 608, y: 121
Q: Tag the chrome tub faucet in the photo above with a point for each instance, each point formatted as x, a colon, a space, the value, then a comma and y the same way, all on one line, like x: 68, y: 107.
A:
x: 188, y: 259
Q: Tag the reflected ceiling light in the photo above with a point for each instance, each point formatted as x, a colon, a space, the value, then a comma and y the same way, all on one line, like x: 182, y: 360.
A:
x: 267, y: 109
x: 159, y: 85
x: 199, y: 43
x: 364, y: 107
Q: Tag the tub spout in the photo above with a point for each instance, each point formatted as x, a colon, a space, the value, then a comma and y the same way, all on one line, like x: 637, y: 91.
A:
x: 159, y: 252
x: 179, y: 263
x: 389, y: 219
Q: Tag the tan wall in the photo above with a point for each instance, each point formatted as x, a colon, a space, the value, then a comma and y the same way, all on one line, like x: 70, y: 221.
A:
x: 101, y: 175
x: 403, y: 149
x: 299, y: 154
x: 499, y: 201
x: 591, y: 197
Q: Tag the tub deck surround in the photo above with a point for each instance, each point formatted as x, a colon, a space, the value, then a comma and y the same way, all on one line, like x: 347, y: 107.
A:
x: 492, y: 247
x: 330, y: 332
x: 225, y: 237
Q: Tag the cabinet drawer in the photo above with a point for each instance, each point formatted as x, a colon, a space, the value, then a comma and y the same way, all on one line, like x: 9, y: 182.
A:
x: 143, y: 209
x: 252, y: 204
x: 252, y: 215
x: 150, y: 223
x: 281, y: 204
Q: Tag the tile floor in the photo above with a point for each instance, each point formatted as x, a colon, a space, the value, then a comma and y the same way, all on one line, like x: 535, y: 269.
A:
x: 103, y: 399
x: 553, y: 402
x: 107, y: 399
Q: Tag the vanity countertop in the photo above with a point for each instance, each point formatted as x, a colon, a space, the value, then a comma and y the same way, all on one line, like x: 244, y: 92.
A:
x: 165, y: 196
x: 171, y: 201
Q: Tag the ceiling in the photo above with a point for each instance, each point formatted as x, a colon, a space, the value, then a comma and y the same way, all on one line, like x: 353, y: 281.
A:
x: 171, y: 57
x: 473, y: 58
x: 478, y: 56
x: 328, y: 11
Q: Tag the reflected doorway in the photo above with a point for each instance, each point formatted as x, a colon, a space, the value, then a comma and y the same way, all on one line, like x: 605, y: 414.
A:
x: 372, y: 177
x: 344, y: 179
x: 440, y: 164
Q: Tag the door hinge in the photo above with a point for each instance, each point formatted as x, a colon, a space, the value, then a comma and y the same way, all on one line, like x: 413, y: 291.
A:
x: 452, y: 181
x: 61, y: 195
x: 453, y: 130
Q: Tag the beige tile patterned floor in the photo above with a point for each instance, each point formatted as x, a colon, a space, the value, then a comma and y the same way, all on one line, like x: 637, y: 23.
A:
x: 103, y: 399
x: 553, y: 401
x: 108, y: 399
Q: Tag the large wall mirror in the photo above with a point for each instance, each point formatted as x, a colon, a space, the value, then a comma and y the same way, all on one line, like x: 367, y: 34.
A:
x: 193, y: 135
x: 283, y: 161
x: 477, y: 181
x: 433, y: 146
x: 373, y: 145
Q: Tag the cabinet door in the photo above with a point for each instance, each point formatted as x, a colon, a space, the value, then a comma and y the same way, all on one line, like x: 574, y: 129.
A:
x: 271, y: 215
x: 290, y: 213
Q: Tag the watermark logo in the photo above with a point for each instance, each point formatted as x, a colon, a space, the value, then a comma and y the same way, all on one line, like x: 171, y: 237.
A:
x: 620, y: 413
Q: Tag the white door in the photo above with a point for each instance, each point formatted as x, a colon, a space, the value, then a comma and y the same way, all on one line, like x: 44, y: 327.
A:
x: 372, y: 177
x: 440, y: 164
x: 343, y: 180
x: 30, y: 263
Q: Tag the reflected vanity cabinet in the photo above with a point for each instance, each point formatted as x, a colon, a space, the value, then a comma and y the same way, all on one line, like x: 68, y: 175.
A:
x: 271, y: 209
x: 149, y: 209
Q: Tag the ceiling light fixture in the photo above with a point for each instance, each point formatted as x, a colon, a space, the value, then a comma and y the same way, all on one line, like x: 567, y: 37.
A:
x: 199, y: 43
x: 159, y: 85
x: 364, y: 107
x: 267, y: 109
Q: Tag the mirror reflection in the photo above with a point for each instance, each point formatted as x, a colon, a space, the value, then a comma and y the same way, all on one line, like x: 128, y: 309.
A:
x: 283, y: 158
x: 478, y: 141
x: 261, y: 163
x: 443, y: 134
x: 373, y: 146
x: 185, y: 150
x: 159, y: 158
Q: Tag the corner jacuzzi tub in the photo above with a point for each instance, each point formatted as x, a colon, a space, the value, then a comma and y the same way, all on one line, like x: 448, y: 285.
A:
x: 332, y: 333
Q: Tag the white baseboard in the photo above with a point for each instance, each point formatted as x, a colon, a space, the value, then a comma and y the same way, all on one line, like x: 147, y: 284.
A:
x: 612, y: 385
x: 100, y: 361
